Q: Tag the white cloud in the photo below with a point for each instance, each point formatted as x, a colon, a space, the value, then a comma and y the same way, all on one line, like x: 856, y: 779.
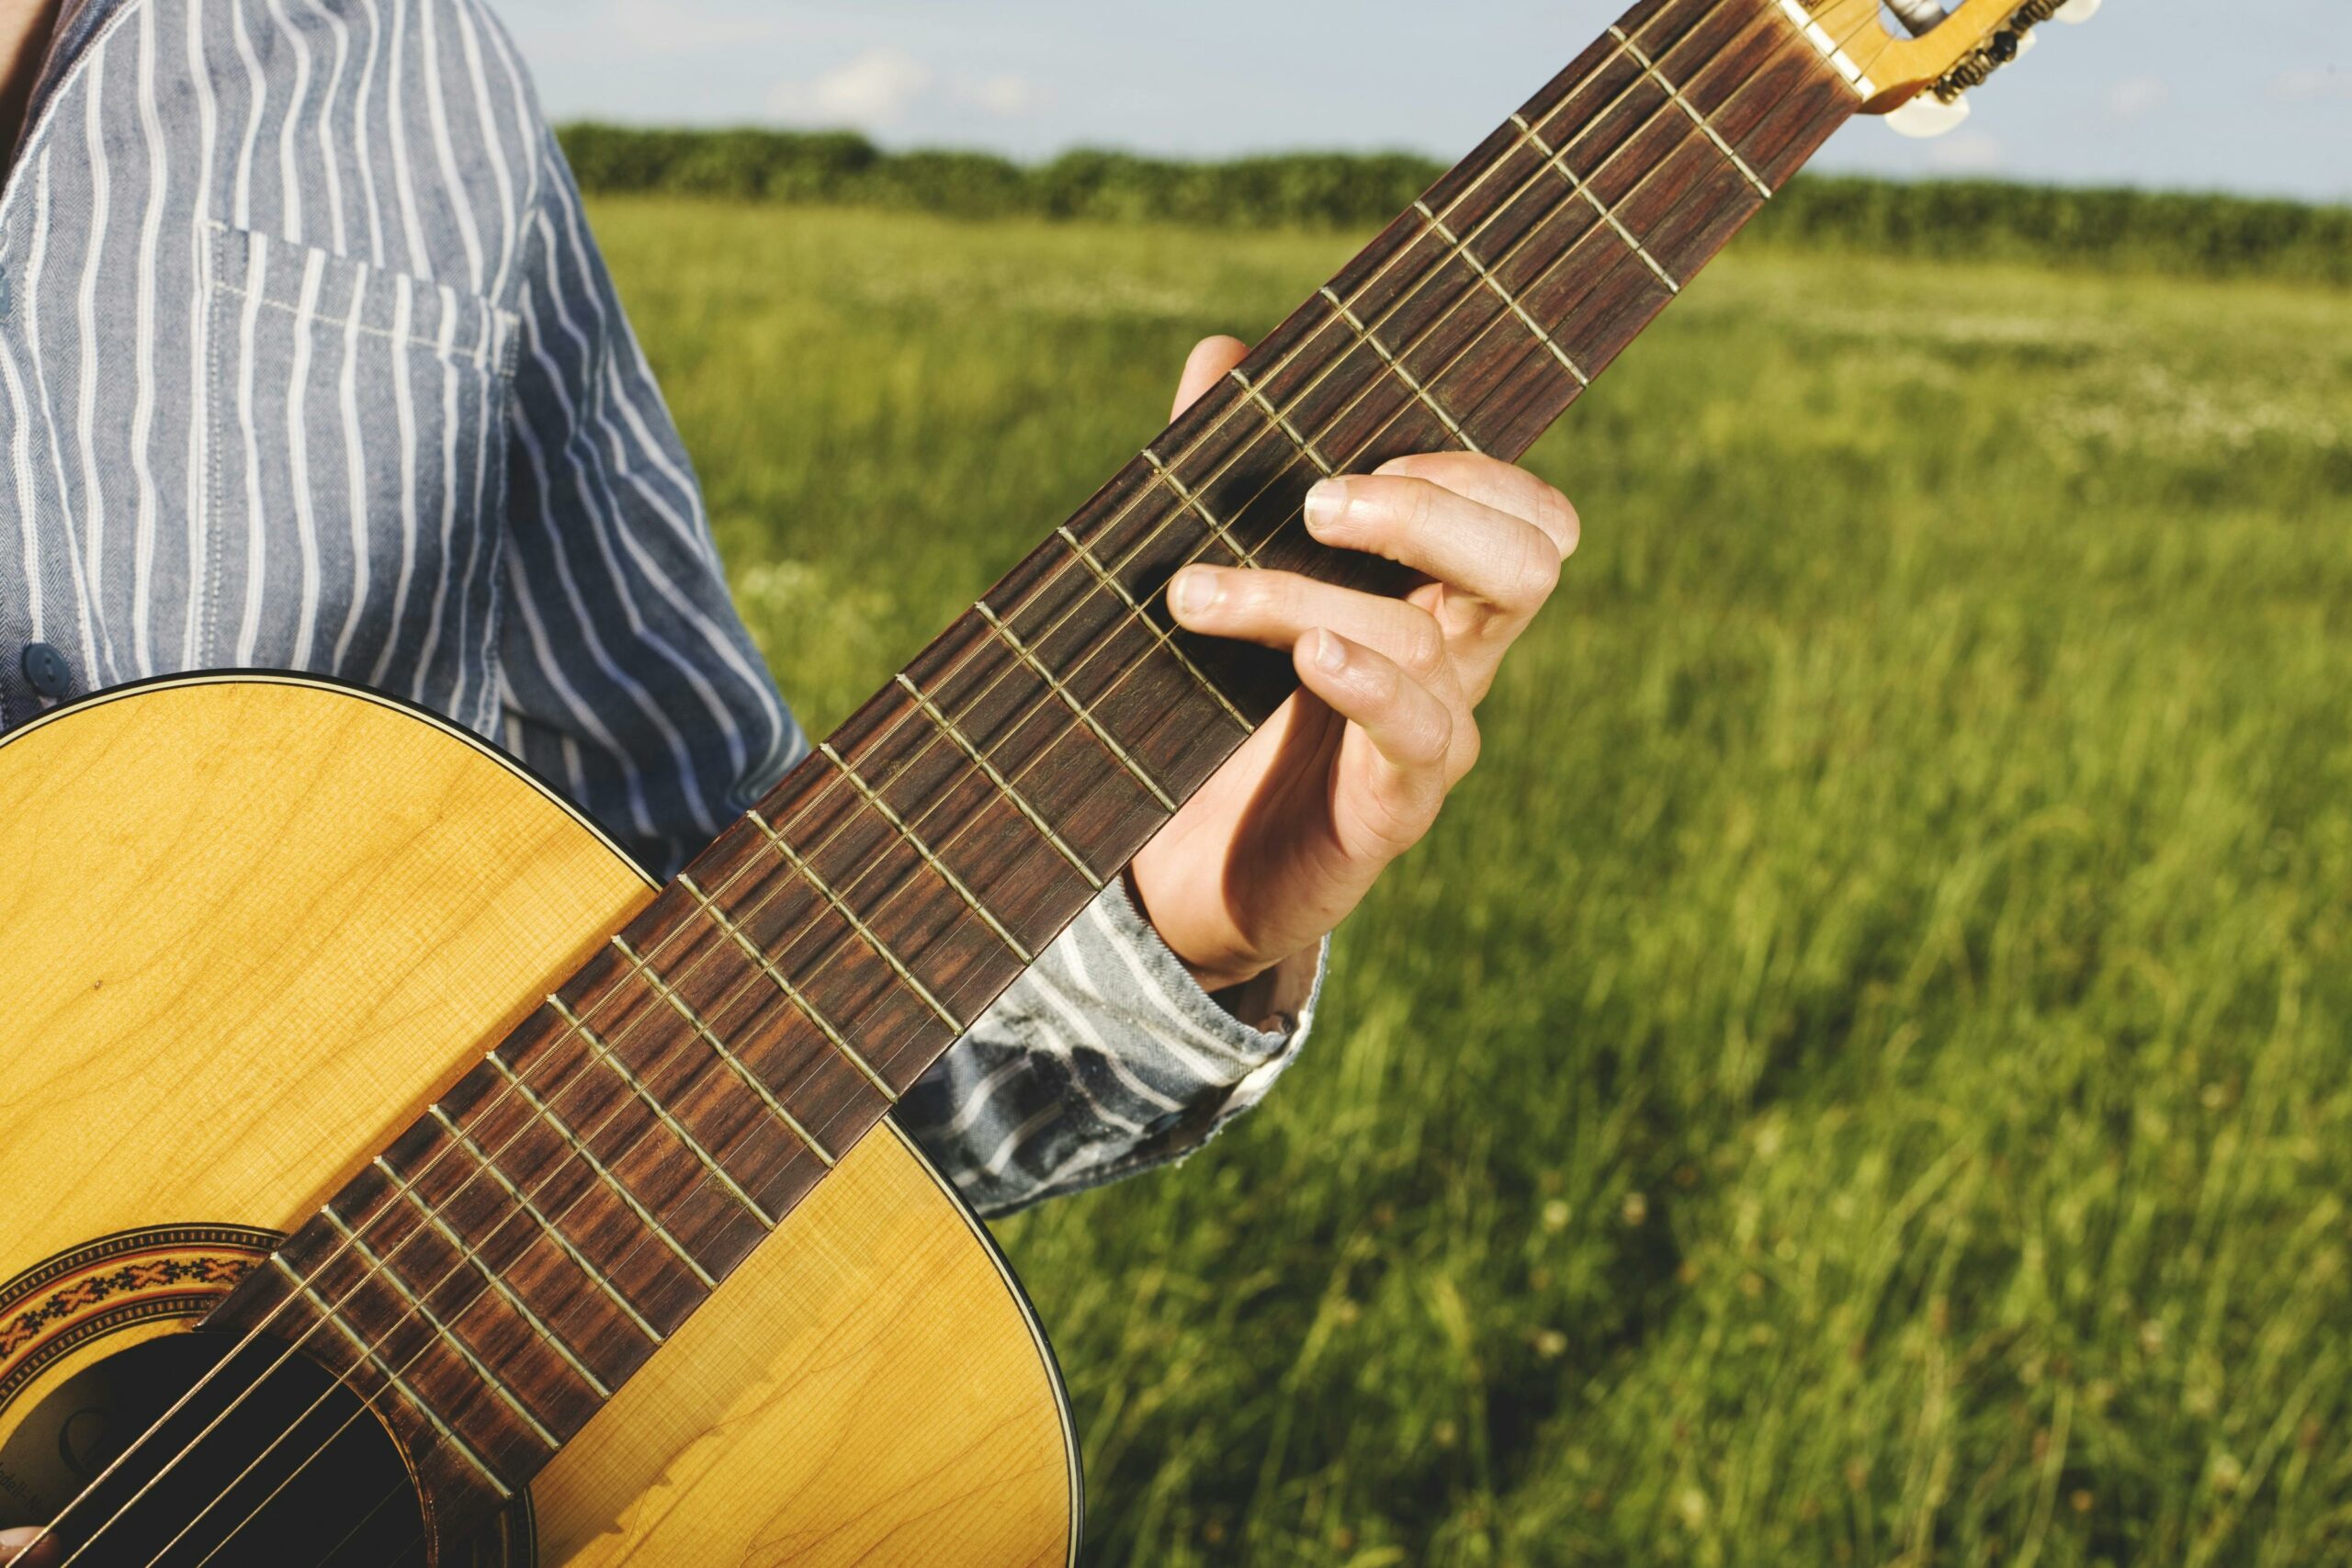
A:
x: 873, y: 91
x: 2136, y: 97
x: 1967, y: 152
x: 1007, y: 98
x: 885, y: 88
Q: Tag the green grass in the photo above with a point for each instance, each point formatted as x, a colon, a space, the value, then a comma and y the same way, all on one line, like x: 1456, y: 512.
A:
x: 1859, y: 1075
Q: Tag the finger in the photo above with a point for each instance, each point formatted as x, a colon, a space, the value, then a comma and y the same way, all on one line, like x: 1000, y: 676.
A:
x: 1211, y: 358
x: 14, y: 1542
x: 1411, y: 728
x: 1499, y: 485
x: 1276, y: 608
x: 1503, y: 565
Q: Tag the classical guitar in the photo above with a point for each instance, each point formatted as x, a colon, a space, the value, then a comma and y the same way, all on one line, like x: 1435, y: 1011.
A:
x: 393, y: 1175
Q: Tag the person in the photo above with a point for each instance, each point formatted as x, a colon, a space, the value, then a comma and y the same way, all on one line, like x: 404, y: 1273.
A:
x: 309, y: 361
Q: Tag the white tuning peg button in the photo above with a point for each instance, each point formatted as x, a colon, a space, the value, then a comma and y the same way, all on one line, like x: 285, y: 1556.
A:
x: 2077, y: 11
x: 1925, y: 116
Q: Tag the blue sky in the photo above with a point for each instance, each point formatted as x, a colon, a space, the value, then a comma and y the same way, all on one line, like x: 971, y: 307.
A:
x: 2241, y: 94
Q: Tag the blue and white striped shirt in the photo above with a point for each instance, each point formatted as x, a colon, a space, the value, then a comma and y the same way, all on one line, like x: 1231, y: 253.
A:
x: 307, y: 361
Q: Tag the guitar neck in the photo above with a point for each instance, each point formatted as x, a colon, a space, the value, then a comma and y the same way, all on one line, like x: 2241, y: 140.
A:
x: 533, y: 1240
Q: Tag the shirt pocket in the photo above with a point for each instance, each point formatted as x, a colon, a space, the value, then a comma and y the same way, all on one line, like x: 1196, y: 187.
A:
x: 356, y: 455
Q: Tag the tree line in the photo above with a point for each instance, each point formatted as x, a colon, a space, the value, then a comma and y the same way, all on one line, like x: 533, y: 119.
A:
x: 2203, y: 234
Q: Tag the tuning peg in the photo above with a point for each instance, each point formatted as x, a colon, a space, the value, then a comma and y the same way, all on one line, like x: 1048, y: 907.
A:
x: 1925, y: 116
x: 2077, y: 11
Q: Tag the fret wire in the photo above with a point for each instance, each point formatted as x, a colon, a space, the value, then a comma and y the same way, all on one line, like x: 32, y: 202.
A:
x: 1576, y: 183
x: 645, y: 1216
x: 1365, y: 334
x: 1096, y: 567
x: 726, y: 1054
x: 914, y: 841
x: 369, y: 1353
x: 1004, y: 786
x: 579, y: 1258
x: 1831, y: 49
x: 497, y: 1282
x: 1076, y: 708
x: 1158, y: 632
x: 1185, y: 495
x: 1282, y: 422
x: 841, y: 906
x: 606, y: 1053
x: 1462, y: 248
x: 418, y: 1306
x: 717, y: 917
x: 1650, y: 67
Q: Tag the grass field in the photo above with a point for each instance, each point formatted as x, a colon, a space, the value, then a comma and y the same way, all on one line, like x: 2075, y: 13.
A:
x: 1861, y: 1074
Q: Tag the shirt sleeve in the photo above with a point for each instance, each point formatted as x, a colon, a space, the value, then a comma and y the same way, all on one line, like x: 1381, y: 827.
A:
x: 630, y: 681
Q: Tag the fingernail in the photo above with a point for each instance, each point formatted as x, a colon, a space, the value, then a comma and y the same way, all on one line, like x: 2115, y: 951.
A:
x: 1325, y: 504
x: 1330, y: 653
x: 1197, y: 588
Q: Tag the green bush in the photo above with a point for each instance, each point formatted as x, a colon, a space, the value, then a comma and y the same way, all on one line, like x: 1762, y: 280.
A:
x: 2167, y: 232
x: 2198, y: 235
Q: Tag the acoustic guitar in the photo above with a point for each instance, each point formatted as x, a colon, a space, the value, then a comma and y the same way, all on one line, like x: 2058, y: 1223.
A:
x: 393, y: 1175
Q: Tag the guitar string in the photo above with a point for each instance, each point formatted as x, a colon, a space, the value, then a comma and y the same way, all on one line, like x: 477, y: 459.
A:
x: 1470, y: 290
x: 341, y: 1545
x: 1065, y: 729
x: 393, y: 1495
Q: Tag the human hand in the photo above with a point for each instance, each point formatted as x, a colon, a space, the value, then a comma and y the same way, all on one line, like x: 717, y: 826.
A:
x: 1287, y: 837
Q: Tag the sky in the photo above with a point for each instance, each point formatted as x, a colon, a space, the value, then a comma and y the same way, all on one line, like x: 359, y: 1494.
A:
x: 2250, y: 96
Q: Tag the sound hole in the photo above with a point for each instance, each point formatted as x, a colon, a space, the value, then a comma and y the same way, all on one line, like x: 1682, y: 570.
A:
x: 294, y: 1468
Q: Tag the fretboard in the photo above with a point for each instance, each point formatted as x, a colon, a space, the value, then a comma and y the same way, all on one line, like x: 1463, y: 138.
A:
x: 531, y: 1242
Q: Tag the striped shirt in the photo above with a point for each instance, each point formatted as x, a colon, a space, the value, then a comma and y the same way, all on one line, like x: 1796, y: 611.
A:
x: 309, y: 361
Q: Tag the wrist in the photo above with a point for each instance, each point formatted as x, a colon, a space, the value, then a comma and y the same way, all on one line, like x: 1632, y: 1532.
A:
x: 1217, y: 978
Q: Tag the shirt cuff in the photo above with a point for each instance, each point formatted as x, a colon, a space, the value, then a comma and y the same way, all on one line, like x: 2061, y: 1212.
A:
x: 1106, y: 1058
x: 1259, y: 1024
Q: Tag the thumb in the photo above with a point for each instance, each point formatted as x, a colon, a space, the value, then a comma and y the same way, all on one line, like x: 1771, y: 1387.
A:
x: 1211, y: 358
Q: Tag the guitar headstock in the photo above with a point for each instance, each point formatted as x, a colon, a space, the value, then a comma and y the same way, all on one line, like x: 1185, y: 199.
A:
x: 1916, y: 69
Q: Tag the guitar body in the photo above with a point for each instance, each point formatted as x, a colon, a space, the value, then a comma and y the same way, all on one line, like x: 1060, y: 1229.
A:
x: 252, y: 926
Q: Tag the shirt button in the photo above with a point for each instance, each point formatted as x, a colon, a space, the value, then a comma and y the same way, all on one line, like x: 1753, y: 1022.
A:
x: 47, y: 670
